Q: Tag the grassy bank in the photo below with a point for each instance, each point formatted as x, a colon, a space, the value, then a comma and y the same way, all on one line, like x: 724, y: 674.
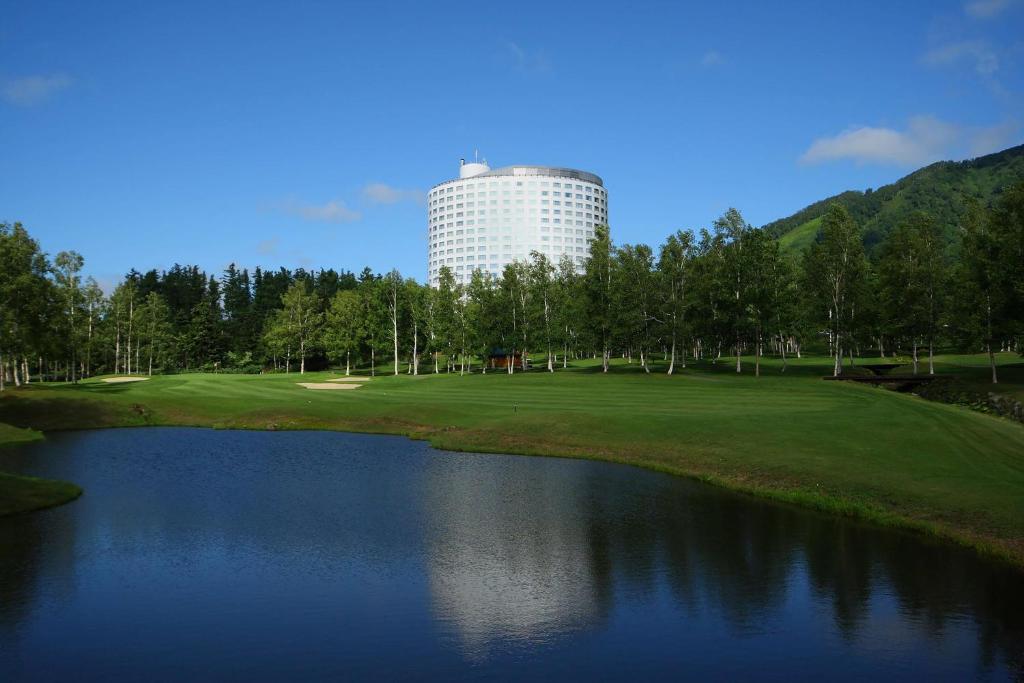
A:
x: 24, y: 494
x: 851, y: 449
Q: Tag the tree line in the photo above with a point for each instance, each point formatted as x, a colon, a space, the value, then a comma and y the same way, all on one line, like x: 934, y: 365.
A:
x: 726, y: 292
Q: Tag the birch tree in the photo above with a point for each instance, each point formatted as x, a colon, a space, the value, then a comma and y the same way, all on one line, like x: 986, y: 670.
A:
x: 835, y: 269
x: 68, y: 264
x: 597, y: 293
x: 156, y: 329
x: 673, y: 268
x: 302, y: 319
x: 541, y: 284
x: 393, y: 288
x: 343, y: 327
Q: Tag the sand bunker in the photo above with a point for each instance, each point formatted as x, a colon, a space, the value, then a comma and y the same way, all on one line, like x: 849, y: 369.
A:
x: 325, y: 385
x: 118, y: 380
x: 349, y: 379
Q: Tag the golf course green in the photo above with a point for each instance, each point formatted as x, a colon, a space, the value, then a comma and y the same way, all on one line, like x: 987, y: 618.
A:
x: 842, y: 447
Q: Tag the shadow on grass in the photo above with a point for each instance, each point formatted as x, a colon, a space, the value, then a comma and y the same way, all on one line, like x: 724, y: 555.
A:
x: 46, y: 414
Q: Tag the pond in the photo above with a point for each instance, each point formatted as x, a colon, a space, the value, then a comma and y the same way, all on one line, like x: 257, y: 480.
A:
x: 200, y: 554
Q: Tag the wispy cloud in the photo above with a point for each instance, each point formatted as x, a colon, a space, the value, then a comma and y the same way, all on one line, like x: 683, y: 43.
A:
x: 382, y: 193
x: 986, y: 9
x: 333, y: 211
x: 994, y: 138
x: 527, y: 60
x: 926, y: 139
x: 978, y: 52
x: 268, y: 247
x: 711, y: 58
x: 31, y: 90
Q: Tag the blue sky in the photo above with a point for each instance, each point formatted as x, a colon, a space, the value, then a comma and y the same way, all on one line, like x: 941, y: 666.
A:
x: 303, y: 134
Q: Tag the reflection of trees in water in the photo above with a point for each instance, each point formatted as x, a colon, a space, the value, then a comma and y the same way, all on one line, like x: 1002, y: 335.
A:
x: 32, y: 547
x: 528, y: 549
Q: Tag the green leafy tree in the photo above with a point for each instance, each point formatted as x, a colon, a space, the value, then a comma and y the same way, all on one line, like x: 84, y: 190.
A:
x: 344, y: 327
x: 542, y: 295
x: 393, y: 290
x: 911, y: 273
x: 568, y: 306
x: 597, y: 293
x: 24, y: 301
x: 990, y: 300
x: 674, y: 262
x: 447, y: 316
x: 67, y: 266
x: 836, y: 270
x: 300, y: 320
x: 762, y: 287
x: 633, y: 302
x: 156, y: 327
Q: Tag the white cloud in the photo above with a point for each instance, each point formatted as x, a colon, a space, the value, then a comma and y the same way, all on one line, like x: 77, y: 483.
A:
x: 31, y: 90
x: 925, y: 140
x: 711, y: 58
x: 333, y: 211
x: 985, y: 9
x: 984, y: 58
x: 527, y: 61
x: 381, y: 193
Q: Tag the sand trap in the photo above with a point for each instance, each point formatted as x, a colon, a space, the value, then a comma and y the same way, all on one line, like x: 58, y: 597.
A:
x: 118, y: 380
x: 349, y: 379
x: 325, y: 385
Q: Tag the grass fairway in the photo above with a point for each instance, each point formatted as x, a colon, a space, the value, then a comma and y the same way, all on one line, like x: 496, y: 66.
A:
x: 837, y: 446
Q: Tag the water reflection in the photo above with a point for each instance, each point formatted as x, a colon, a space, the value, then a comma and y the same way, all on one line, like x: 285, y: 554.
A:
x: 363, y: 546
x: 538, y: 554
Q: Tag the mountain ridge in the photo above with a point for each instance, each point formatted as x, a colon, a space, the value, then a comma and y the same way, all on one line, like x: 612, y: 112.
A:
x: 942, y: 189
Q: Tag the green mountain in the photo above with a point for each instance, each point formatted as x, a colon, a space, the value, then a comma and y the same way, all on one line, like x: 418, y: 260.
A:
x: 941, y: 190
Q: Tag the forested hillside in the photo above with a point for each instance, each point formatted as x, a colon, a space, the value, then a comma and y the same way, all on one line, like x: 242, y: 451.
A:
x: 941, y: 190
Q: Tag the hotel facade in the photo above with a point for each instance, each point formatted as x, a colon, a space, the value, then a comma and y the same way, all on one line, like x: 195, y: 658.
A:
x: 486, y: 219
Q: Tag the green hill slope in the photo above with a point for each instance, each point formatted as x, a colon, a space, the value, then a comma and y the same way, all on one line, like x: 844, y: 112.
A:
x: 941, y: 189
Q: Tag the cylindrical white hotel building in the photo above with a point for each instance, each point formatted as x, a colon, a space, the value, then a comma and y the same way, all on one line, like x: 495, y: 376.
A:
x: 486, y: 219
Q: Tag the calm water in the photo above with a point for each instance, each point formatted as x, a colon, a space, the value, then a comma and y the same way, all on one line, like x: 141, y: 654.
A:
x: 199, y: 555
